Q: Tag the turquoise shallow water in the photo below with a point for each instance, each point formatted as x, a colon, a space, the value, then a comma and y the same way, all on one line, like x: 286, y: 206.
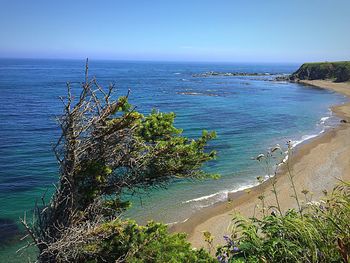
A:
x: 249, y: 114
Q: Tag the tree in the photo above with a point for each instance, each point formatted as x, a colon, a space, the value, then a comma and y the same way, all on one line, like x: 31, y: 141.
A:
x: 106, y: 148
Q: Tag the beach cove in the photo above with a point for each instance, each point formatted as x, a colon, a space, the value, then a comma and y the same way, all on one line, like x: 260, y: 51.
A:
x: 182, y: 132
x: 255, y: 110
x: 317, y: 166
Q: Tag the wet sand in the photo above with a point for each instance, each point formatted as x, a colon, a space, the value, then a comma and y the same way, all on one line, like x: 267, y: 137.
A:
x: 317, y: 165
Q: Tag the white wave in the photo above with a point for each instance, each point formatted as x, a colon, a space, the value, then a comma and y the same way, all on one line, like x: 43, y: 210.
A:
x: 303, y: 139
x: 244, y: 187
x: 175, y: 222
x: 208, y: 200
x: 306, y: 138
x: 172, y: 223
x: 177, y: 73
x: 220, y: 196
x: 205, y: 197
x: 324, y: 119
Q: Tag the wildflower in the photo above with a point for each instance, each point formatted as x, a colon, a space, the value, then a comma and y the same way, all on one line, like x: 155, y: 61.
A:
x: 305, y: 191
x: 229, y: 241
x: 313, y: 203
x: 261, y: 197
x: 277, y: 147
x: 222, y: 259
x: 322, y: 205
x: 260, y: 179
x: 208, y: 237
x: 259, y: 157
x: 235, y: 249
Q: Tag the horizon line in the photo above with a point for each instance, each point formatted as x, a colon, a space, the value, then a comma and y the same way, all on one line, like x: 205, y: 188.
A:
x: 160, y: 60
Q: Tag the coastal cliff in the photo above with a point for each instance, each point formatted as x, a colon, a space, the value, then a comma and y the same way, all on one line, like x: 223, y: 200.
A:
x: 336, y: 71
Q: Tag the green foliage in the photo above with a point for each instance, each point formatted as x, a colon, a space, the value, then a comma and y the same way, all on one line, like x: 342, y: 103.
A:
x: 165, y: 153
x: 123, y: 104
x: 155, y: 152
x: 106, y: 149
x: 158, y: 126
x: 181, y: 156
x: 320, y: 234
x: 338, y: 71
x: 127, y: 242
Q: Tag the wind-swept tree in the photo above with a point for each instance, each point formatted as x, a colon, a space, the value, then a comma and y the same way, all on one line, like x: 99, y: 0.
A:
x: 107, y: 148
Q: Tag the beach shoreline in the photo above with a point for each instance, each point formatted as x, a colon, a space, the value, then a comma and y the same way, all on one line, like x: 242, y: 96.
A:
x: 316, y: 165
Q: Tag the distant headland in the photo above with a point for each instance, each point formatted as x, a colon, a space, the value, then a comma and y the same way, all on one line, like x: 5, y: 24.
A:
x: 335, y: 71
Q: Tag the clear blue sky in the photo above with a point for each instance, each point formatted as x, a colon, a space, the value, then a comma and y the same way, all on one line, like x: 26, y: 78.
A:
x: 181, y: 30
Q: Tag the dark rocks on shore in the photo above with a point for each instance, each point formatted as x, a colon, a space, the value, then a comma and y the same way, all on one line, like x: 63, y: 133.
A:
x: 282, y: 78
x: 276, y: 77
x: 344, y: 121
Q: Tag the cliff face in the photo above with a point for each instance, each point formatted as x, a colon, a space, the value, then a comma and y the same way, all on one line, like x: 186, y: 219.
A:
x: 337, y: 71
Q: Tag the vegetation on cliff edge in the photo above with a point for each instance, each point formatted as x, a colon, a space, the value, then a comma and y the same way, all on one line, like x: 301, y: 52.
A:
x: 316, y: 231
x: 336, y: 71
x: 107, y: 149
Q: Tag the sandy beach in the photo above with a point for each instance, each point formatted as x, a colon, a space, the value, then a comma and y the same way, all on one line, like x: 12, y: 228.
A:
x: 316, y: 166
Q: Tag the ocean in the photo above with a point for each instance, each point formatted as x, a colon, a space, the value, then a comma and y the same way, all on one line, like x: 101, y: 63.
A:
x: 249, y: 114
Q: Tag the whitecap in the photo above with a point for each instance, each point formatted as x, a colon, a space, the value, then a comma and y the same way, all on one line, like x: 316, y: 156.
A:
x: 203, y: 197
x: 219, y: 196
x: 176, y: 222
x: 324, y: 119
x: 306, y: 138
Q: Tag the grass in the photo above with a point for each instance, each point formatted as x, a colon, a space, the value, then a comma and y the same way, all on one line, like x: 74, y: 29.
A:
x: 314, y: 232
x: 337, y: 71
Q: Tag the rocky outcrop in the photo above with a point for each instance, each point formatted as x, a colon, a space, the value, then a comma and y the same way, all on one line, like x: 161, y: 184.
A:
x: 336, y: 71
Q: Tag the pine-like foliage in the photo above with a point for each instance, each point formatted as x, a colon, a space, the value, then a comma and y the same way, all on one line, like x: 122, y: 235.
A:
x: 106, y: 148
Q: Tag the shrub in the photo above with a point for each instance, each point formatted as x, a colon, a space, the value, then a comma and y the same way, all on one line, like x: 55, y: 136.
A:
x: 125, y: 241
x: 316, y: 232
x: 106, y: 149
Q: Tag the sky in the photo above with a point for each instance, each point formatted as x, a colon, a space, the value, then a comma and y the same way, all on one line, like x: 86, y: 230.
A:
x: 177, y: 30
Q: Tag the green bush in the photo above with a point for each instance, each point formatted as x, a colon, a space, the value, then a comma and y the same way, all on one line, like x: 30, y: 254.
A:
x: 108, y: 151
x: 320, y: 233
x: 125, y: 241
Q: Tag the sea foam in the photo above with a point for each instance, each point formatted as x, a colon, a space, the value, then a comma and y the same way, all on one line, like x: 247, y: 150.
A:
x: 223, y: 195
x: 218, y: 196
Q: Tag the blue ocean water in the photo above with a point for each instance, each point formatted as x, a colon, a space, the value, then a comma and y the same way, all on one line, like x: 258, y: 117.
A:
x: 249, y: 114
